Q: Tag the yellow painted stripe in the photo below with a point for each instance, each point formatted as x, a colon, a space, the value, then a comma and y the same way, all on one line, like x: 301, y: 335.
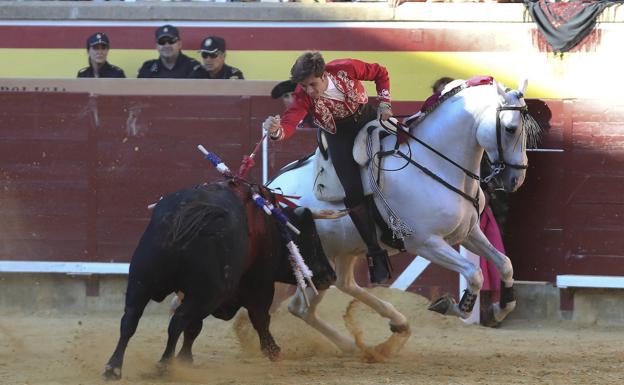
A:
x: 577, y: 75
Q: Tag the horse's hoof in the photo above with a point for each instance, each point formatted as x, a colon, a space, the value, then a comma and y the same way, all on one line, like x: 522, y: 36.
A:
x: 442, y: 305
x: 405, y: 328
x: 488, y: 319
x: 111, y: 374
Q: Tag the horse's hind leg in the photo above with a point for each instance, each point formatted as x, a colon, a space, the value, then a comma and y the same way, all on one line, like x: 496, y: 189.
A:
x: 346, y: 283
x: 478, y: 243
x: 299, y: 308
x: 137, y: 298
x: 438, y: 251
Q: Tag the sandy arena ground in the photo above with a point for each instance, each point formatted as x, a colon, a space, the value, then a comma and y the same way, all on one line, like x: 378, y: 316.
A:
x: 72, y: 350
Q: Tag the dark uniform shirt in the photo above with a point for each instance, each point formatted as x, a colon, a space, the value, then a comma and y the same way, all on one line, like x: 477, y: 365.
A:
x: 227, y: 72
x: 182, y: 69
x: 106, y: 71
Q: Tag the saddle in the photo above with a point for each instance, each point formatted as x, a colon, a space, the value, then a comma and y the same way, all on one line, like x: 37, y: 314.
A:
x: 327, y: 186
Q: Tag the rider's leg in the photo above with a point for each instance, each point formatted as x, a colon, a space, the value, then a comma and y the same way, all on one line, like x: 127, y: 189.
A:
x: 341, y: 151
x: 378, y: 261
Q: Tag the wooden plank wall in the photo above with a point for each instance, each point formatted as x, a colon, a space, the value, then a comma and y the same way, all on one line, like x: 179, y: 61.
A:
x: 567, y: 218
x: 77, y: 171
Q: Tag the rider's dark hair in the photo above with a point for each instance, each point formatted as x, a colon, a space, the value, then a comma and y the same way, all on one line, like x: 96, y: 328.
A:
x: 309, y: 63
x: 440, y: 83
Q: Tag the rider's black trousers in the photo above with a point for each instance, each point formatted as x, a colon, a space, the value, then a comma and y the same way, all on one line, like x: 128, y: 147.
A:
x: 340, y: 147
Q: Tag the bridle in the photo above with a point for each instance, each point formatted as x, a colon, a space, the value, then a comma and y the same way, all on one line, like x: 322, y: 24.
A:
x: 499, y: 165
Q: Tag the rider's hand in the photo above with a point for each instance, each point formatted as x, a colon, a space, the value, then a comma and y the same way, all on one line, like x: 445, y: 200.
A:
x: 273, y: 127
x: 385, y: 111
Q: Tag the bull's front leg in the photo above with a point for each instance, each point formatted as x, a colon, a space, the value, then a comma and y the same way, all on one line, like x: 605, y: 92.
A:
x: 136, y: 300
x: 258, y: 310
x: 190, y: 334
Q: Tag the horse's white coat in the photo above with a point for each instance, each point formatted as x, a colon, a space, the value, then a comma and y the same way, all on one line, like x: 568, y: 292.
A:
x: 461, y: 128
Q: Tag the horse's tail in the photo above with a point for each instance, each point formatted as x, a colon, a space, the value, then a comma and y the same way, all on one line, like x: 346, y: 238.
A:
x: 191, y: 219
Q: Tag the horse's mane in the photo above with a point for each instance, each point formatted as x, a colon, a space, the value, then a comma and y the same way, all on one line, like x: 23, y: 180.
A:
x: 529, y: 124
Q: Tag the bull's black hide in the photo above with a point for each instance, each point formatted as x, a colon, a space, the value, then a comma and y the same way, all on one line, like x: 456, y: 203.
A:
x: 213, y: 244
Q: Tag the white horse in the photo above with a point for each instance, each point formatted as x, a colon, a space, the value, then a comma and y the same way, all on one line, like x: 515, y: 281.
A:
x: 440, y: 213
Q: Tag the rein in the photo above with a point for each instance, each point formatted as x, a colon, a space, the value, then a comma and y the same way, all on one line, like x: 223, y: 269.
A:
x: 474, y: 200
x: 497, y: 167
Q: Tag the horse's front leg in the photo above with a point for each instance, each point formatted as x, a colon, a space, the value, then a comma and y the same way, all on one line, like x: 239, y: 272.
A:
x: 300, y: 309
x: 478, y: 243
x: 438, y: 251
x: 345, y: 281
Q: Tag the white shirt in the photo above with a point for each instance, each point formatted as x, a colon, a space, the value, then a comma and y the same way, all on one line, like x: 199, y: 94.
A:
x: 332, y: 92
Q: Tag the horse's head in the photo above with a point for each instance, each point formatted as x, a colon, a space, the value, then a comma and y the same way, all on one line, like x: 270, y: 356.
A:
x: 504, y: 133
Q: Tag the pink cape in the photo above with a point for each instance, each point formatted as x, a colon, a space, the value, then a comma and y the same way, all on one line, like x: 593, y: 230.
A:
x: 491, y: 278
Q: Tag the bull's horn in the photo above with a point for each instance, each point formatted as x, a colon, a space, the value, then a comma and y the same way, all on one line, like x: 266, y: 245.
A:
x: 328, y: 214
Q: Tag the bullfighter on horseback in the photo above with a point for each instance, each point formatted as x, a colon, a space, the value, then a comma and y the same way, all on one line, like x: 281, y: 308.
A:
x: 335, y: 96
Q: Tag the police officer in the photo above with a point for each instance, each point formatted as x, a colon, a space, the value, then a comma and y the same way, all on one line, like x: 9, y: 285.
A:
x: 97, y: 49
x: 172, y: 63
x: 213, y: 66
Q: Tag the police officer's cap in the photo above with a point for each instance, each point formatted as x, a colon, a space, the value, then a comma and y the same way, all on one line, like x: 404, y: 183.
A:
x: 167, y: 30
x: 283, y: 88
x: 98, y: 38
x: 212, y: 44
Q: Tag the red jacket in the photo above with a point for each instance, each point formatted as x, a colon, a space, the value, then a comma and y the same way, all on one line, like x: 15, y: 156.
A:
x: 346, y: 75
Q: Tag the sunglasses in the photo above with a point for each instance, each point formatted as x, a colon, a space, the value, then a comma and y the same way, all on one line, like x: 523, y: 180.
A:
x: 211, y: 55
x: 99, y: 47
x: 167, y: 40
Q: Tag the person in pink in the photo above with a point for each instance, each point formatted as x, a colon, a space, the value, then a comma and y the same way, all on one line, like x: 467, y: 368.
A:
x: 491, y: 278
x: 490, y: 291
x: 333, y: 94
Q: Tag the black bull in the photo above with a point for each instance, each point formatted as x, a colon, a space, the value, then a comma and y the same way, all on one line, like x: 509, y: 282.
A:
x: 217, y: 247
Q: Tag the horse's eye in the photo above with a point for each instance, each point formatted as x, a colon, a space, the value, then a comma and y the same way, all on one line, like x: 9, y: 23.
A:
x: 511, y: 130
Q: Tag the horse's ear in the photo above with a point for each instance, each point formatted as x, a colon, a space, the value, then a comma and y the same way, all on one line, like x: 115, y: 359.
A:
x: 522, y: 85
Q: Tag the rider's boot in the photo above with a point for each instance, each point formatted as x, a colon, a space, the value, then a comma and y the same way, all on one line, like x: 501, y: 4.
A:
x: 378, y: 262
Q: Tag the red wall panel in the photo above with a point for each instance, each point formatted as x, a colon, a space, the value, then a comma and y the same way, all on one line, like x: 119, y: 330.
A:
x: 77, y: 172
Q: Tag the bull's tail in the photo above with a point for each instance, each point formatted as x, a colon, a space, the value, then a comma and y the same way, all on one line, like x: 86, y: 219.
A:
x: 191, y: 219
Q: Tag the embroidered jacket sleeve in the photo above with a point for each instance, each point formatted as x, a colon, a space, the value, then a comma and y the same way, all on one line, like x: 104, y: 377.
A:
x: 360, y: 70
x: 295, y: 114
